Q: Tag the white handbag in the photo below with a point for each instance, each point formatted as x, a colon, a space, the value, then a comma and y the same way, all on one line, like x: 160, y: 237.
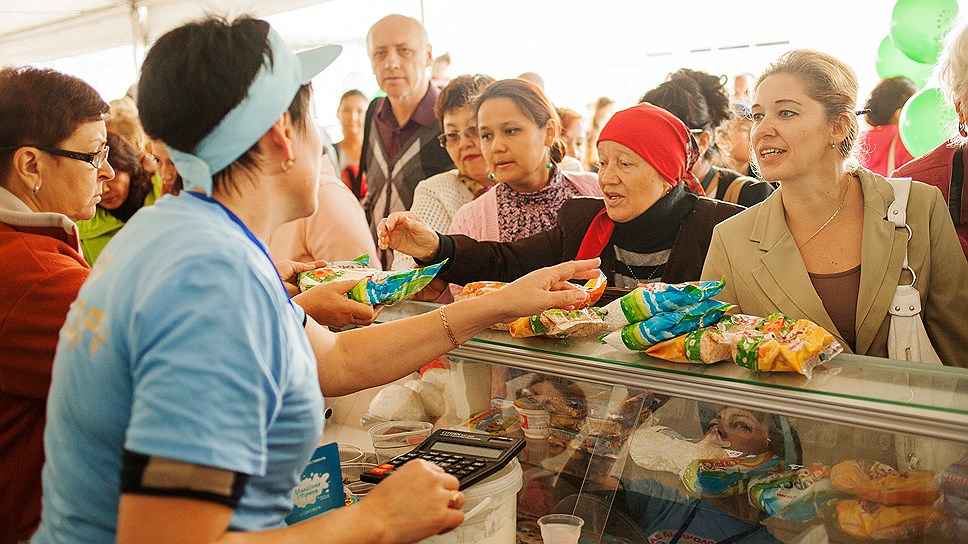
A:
x: 907, y: 340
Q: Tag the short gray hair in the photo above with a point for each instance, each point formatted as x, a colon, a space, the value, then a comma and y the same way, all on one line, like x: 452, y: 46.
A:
x: 952, y: 69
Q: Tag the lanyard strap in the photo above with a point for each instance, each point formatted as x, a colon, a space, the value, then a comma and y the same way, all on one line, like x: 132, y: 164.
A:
x: 248, y: 233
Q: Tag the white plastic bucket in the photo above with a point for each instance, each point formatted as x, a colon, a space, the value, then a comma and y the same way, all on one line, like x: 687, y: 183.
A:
x: 497, y: 522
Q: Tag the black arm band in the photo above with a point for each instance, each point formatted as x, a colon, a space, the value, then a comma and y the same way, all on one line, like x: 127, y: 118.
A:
x: 158, y: 476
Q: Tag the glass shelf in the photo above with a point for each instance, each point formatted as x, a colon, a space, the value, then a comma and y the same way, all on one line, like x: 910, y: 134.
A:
x: 850, y: 389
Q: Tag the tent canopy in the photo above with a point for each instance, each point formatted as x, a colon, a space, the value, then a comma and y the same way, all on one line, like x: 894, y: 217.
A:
x: 52, y: 29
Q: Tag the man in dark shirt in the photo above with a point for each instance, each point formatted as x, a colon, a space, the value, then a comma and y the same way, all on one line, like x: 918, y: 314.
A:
x: 400, y: 146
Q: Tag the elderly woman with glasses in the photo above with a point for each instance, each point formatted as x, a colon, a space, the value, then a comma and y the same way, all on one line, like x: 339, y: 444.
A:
x: 437, y: 198
x: 53, y: 151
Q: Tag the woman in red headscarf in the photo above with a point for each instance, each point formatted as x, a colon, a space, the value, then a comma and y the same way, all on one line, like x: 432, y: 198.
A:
x: 647, y: 227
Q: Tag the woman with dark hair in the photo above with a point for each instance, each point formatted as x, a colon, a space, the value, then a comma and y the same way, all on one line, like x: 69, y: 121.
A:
x: 521, y: 142
x: 437, y: 198
x: 350, y: 113
x: 53, y: 165
x: 208, y: 378
x: 122, y: 196
x: 881, y: 148
x: 699, y: 100
x: 648, y: 226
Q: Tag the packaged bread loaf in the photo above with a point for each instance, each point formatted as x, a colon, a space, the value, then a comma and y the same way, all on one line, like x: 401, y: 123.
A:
x: 794, y: 494
x: 651, y: 299
x: 661, y: 326
x: 883, y: 484
x: 726, y: 477
x: 375, y: 286
x: 869, y: 521
x: 776, y: 343
x: 556, y: 323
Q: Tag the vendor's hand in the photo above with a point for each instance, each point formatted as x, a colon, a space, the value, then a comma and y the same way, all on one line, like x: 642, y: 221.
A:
x: 415, y: 502
x: 406, y: 233
x: 546, y: 288
x: 432, y: 291
x: 328, y: 305
x: 289, y: 270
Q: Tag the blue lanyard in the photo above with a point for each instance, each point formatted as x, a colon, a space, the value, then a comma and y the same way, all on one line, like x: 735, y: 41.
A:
x: 248, y: 233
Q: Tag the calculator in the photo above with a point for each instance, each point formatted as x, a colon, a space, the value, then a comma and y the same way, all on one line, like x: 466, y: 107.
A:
x: 470, y: 457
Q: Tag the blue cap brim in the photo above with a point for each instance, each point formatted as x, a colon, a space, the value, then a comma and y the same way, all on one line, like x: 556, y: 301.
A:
x: 317, y: 59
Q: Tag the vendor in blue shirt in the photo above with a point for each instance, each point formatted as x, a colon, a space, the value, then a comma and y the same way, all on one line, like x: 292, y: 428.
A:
x: 187, y: 387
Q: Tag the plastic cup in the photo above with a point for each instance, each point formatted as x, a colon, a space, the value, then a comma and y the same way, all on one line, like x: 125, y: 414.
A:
x: 351, y: 478
x: 348, y: 453
x: 534, y: 418
x: 560, y: 528
x: 395, y: 438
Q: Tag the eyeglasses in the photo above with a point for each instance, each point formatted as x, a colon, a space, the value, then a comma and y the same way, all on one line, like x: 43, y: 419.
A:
x: 95, y: 159
x: 452, y: 138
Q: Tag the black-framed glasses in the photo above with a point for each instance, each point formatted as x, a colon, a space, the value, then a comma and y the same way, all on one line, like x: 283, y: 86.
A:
x: 95, y: 159
x: 453, y: 137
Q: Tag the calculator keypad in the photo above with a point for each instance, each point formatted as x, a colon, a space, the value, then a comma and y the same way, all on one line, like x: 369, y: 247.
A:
x: 457, y: 465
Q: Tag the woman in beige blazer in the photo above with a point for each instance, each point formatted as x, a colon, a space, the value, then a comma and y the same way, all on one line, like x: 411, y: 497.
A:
x: 821, y: 247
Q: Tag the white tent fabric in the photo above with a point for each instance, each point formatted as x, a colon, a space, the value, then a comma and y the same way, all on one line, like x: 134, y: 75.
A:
x: 49, y: 29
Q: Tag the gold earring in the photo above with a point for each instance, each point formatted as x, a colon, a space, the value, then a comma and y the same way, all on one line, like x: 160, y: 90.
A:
x: 287, y: 164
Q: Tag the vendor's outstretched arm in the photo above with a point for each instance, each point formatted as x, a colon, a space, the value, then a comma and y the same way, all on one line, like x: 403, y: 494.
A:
x: 354, y: 360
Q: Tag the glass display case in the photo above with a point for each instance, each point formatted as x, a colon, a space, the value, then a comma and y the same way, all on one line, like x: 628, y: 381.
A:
x: 648, y: 451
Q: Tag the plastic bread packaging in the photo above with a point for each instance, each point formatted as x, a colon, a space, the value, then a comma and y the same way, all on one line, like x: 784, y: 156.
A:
x: 557, y: 323
x: 375, y: 286
x: 595, y: 287
x: 478, y: 288
x: 577, y: 324
x: 865, y: 521
x: 773, y: 344
x: 651, y: 299
x: 883, y: 484
x: 660, y: 448
x: 792, y: 495
x: 726, y: 477
x: 499, y: 420
x: 664, y: 325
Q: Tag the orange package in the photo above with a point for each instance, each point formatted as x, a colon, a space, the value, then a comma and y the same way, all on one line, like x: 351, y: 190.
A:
x: 871, y: 521
x: 883, y: 484
x: 595, y: 288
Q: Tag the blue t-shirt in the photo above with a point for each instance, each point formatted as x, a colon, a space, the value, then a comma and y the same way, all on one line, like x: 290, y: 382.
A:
x: 661, y: 512
x: 182, y: 344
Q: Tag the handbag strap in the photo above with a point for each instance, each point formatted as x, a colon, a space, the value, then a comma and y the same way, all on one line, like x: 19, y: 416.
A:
x: 892, y: 154
x: 907, y: 300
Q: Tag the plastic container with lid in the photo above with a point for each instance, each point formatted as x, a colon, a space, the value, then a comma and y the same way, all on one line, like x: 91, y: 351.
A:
x: 497, y: 522
x: 534, y: 417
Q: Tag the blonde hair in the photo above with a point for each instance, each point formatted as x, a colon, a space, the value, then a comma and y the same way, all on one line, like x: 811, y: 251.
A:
x: 952, y: 70
x: 828, y: 81
x: 124, y: 121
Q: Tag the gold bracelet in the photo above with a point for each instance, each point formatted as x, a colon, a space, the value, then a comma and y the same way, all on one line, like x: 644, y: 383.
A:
x: 450, y: 333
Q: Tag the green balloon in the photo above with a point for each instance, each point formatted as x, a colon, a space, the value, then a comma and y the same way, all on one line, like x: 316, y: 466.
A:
x: 918, y: 26
x: 926, y: 119
x: 891, y: 62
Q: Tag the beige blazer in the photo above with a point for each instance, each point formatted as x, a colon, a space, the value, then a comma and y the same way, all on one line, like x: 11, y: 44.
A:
x: 765, y: 273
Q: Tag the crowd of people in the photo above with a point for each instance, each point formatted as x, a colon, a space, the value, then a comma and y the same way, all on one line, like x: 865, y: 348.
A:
x: 161, y: 378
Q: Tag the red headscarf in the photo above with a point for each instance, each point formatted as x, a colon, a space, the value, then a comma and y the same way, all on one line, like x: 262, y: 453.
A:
x: 661, y: 139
